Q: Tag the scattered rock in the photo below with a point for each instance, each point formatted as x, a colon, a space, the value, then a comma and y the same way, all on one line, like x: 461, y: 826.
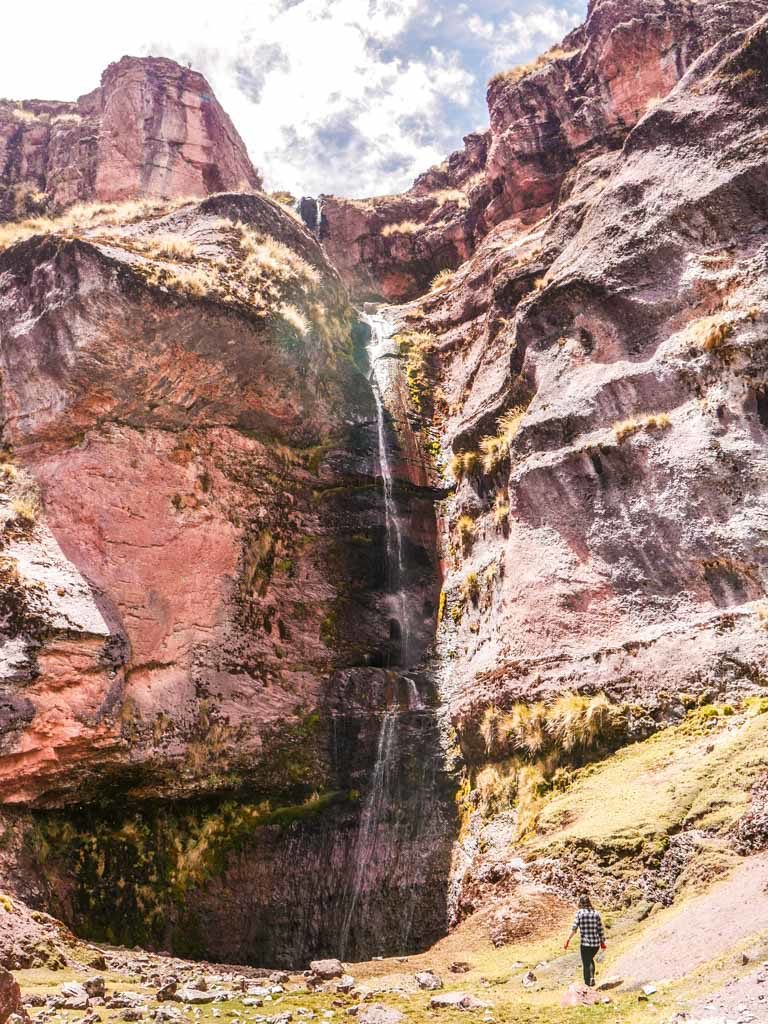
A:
x: 95, y: 987
x: 528, y: 980
x: 346, y: 983
x: 167, y: 1013
x: 460, y: 967
x: 197, y: 996
x: 610, y: 983
x: 378, y: 1013
x: 73, y: 997
x: 429, y: 980
x: 457, y: 1001
x: 580, y: 995
x: 167, y: 991
x: 132, y: 1013
x: 326, y: 969
x: 124, y: 1000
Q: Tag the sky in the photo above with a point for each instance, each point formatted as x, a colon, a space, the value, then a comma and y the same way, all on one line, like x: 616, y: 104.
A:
x: 349, y: 97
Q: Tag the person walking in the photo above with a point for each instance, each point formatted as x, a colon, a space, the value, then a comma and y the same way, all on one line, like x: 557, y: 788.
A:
x: 589, y: 924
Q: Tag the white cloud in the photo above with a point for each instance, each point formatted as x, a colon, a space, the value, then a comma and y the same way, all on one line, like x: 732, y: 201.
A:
x: 347, y: 96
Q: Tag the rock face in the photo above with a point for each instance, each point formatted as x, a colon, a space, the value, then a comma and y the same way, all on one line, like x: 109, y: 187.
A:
x: 152, y: 129
x: 10, y: 995
x: 194, y: 599
x: 637, y: 360
x: 577, y: 102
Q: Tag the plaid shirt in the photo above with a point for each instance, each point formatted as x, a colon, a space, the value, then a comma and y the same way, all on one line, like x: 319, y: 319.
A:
x: 590, y: 925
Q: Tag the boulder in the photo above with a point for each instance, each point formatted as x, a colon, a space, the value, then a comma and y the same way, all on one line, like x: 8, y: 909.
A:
x: 73, y: 996
x: 132, y: 1013
x: 326, y: 970
x: 457, y: 1001
x: 167, y: 990
x: 124, y: 1000
x: 195, y: 996
x: 580, y: 995
x: 610, y: 983
x: 10, y: 996
x: 95, y: 987
x: 378, y: 1013
x: 429, y: 980
x: 345, y: 983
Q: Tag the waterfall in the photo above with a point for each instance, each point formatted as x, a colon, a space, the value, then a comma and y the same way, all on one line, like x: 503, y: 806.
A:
x: 415, y: 700
x: 401, y: 822
x: 371, y: 819
x: 381, y: 348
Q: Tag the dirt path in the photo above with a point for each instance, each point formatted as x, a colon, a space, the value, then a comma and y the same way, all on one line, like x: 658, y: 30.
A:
x: 702, y: 928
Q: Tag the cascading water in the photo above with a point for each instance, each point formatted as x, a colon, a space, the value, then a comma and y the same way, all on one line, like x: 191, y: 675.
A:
x: 382, y: 347
x: 371, y: 818
x: 396, y: 817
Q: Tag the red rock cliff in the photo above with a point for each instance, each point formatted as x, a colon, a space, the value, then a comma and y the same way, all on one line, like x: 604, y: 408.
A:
x: 152, y: 129
x: 578, y: 100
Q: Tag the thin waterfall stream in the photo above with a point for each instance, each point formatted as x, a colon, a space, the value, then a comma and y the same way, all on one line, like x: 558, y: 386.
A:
x: 378, y: 844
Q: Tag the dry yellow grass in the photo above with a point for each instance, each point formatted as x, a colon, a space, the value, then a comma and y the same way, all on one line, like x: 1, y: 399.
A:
x: 84, y: 217
x: 515, y: 75
x: 711, y: 332
x: 500, y: 509
x: 441, y: 280
x: 470, y: 587
x: 654, y: 421
x: 405, y: 227
x: 495, y: 447
x: 464, y: 464
x: 452, y: 195
x: 466, y: 529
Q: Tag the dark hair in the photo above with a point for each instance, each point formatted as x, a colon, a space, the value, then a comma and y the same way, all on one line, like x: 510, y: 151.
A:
x: 585, y: 903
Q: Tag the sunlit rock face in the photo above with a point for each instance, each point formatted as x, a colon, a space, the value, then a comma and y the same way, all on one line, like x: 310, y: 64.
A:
x: 577, y: 102
x: 152, y: 129
x: 618, y: 536
x: 184, y: 441
x: 199, y: 661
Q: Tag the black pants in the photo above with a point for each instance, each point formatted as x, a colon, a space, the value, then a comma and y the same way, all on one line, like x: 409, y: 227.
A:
x: 588, y: 954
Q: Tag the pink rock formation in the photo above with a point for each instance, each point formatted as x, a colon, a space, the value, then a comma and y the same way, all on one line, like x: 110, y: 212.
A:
x: 167, y: 591
x: 578, y: 103
x: 628, y: 325
x: 152, y: 129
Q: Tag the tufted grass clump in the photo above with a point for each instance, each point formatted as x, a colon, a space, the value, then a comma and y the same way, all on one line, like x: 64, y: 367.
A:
x: 84, y: 217
x: 466, y: 529
x: 572, y: 724
x: 515, y: 75
x: 500, y: 509
x: 495, y: 447
x: 470, y: 588
x: 416, y: 347
x: 711, y: 332
x: 405, y: 227
x: 654, y: 421
x: 441, y: 280
x: 465, y: 464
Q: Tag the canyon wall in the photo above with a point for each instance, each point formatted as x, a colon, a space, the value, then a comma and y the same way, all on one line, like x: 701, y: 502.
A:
x: 194, y: 570
x: 574, y: 103
x: 207, y: 717
x: 151, y: 129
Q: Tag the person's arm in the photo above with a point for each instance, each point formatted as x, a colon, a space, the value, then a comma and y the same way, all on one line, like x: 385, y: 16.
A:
x: 602, y: 934
x: 574, y: 929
